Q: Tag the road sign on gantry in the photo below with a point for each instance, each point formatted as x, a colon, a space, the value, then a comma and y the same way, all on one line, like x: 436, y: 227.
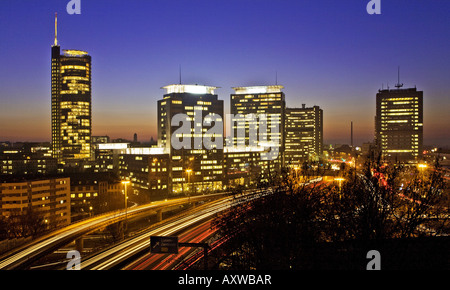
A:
x: 163, y: 245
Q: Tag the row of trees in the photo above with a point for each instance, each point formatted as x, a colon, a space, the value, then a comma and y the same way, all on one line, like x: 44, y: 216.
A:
x: 30, y: 223
x: 290, y: 228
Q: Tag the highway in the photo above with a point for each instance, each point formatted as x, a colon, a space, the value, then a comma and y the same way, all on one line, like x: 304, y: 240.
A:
x: 193, y: 227
x: 133, y: 248
x: 23, y: 256
x: 198, y: 234
x: 121, y: 255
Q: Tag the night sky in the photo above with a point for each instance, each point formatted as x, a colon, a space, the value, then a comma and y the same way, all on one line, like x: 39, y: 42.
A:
x: 328, y: 53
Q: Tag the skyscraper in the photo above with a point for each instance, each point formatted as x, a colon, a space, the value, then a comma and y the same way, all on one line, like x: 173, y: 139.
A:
x: 399, y: 124
x: 71, y: 104
x: 259, y: 111
x: 304, y: 134
x: 195, y: 166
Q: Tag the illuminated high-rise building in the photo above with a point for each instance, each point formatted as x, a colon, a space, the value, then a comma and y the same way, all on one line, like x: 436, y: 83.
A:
x: 258, y: 114
x: 304, y: 134
x: 196, y: 165
x: 399, y: 124
x: 71, y: 104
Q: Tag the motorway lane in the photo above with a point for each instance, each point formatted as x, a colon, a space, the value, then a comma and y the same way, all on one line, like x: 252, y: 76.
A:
x: 199, y: 234
x: 120, y: 253
x: 54, y: 240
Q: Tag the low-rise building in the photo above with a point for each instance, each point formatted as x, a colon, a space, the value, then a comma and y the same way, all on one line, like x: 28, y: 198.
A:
x: 95, y: 193
x: 47, y: 198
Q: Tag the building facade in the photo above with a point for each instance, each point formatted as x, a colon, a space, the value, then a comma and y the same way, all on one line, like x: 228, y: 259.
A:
x: 190, y: 130
x: 245, y: 167
x: 147, y: 169
x: 27, y: 159
x: 304, y: 135
x: 399, y: 124
x: 47, y: 198
x: 71, y: 105
x: 94, y: 193
x: 258, y: 119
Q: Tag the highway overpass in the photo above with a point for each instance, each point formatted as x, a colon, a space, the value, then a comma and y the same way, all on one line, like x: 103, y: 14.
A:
x: 25, y: 255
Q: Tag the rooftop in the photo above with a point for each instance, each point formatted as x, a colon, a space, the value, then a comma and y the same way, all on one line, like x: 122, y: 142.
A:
x: 190, y: 89
x: 74, y: 52
x: 258, y: 89
x: 397, y: 90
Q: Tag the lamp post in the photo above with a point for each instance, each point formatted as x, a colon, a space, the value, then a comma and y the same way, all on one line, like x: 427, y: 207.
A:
x: 422, y: 167
x: 188, y: 171
x: 340, y: 179
x: 296, y: 170
x: 124, y: 183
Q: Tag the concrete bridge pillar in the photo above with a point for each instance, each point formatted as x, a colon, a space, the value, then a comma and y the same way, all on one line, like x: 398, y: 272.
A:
x: 79, y: 244
x: 159, y: 215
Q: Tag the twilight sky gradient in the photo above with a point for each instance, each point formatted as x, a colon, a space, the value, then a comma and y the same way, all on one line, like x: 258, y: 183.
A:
x: 326, y: 52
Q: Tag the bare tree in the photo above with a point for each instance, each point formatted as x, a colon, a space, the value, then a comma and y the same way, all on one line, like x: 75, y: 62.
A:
x: 290, y: 227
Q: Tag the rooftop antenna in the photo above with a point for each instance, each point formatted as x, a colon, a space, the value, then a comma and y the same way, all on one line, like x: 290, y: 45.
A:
x: 276, y: 78
x: 56, y: 29
x: 180, y: 74
x: 398, y: 85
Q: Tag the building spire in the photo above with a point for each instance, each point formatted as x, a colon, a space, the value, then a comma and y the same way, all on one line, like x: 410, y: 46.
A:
x: 56, y: 29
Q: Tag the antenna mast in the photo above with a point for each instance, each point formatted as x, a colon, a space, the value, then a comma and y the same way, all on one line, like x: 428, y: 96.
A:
x: 398, y: 85
x: 56, y: 29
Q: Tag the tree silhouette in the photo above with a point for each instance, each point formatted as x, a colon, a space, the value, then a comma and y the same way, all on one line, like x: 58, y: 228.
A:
x: 293, y: 221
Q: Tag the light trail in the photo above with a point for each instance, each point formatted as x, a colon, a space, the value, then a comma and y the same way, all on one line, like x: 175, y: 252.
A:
x: 166, y: 261
x: 54, y: 240
x: 126, y: 250
x: 129, y: 248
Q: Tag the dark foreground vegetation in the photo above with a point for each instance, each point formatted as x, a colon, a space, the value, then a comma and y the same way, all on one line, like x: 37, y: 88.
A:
x: 399, y: 211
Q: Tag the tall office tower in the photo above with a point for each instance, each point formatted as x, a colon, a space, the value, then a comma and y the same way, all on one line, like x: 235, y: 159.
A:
x: 71, y: 104
x: 399, y: 124
x: 259, y: 118
x: 192, y: 137
x: 304, y: 134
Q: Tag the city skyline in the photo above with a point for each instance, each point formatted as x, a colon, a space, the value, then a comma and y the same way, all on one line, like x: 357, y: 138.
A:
x: 338, y: 62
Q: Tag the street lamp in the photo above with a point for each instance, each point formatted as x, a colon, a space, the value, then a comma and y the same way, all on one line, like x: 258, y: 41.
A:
x: 188, y: 171
x: 340, y: 179
x: 422, y: 167
x: 296, y: 170
x: 125, y: 182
